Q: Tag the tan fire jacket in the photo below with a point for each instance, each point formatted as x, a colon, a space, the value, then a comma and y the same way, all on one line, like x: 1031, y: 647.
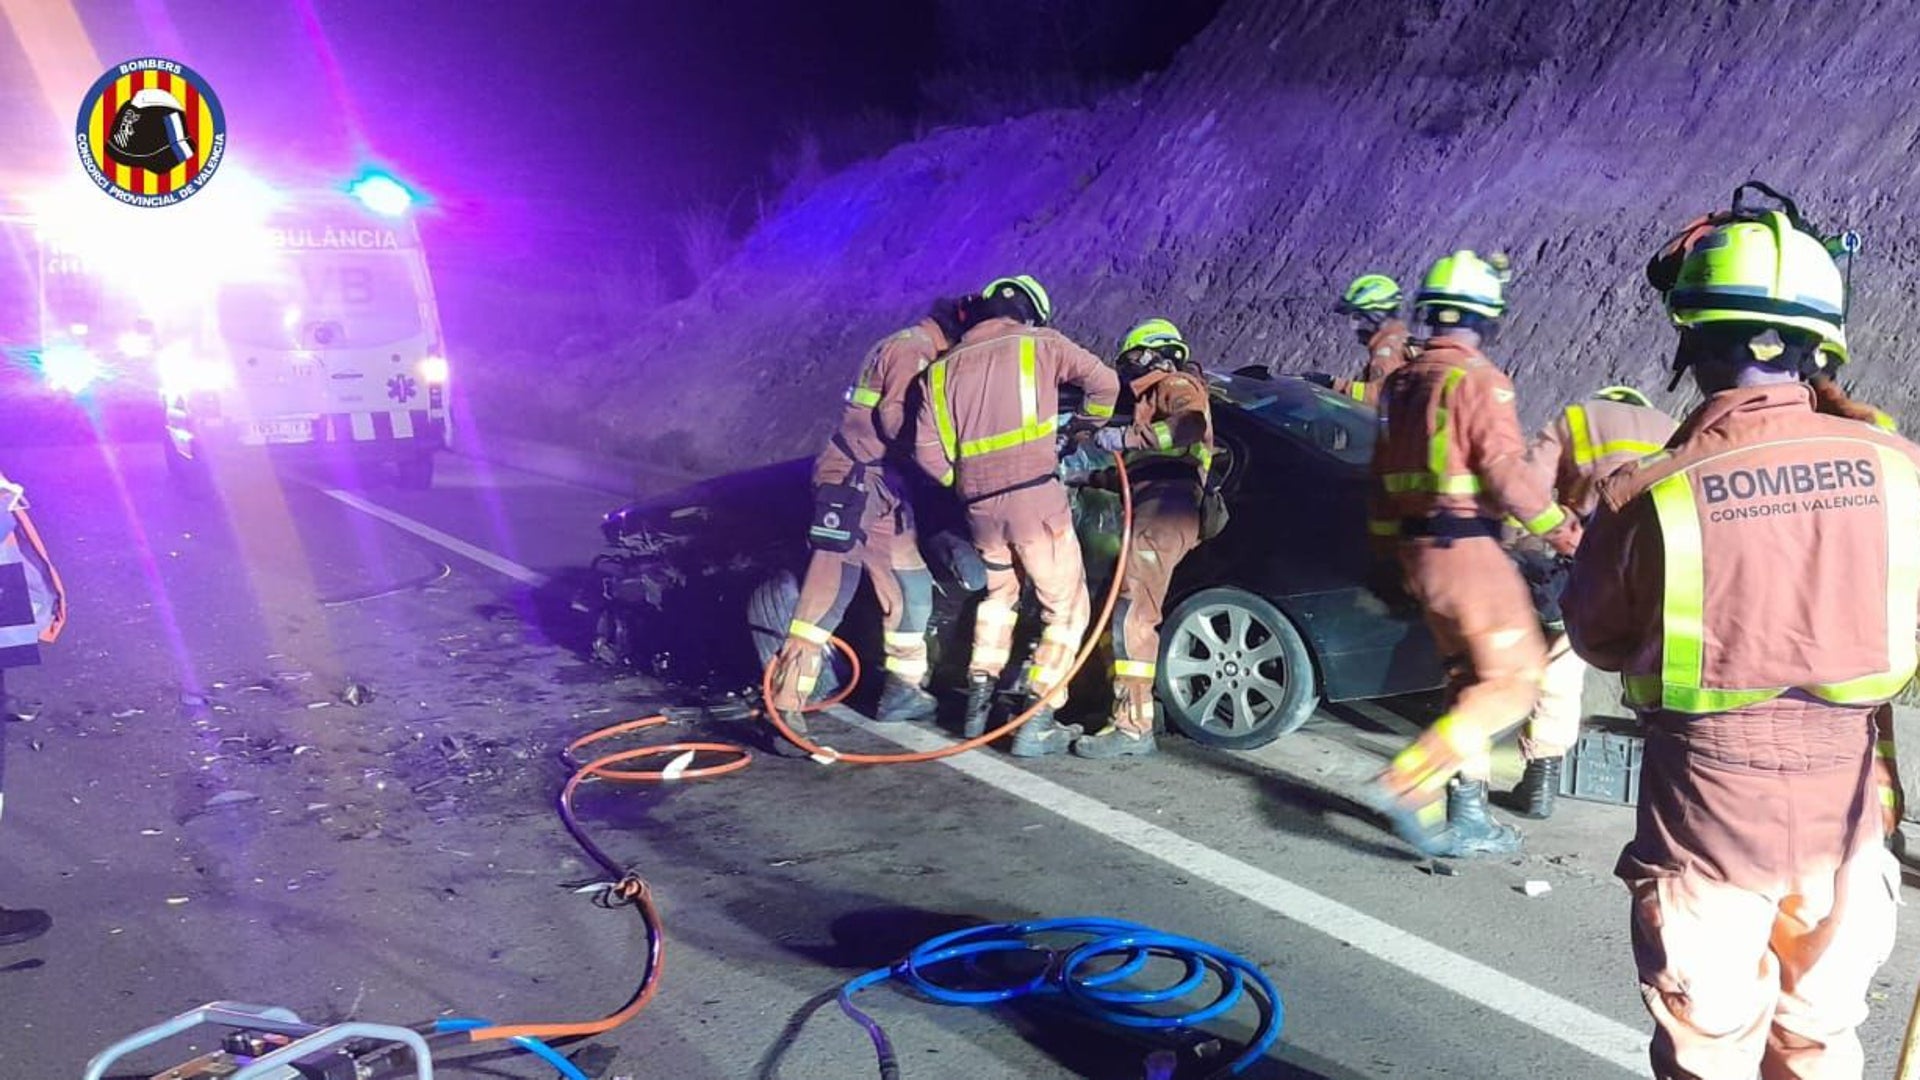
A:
x: 1172, y: 422
x: 1772, y: 549
x: 987, y: 421
x: 1386, y: 354
x: 876, y: 412
x: 1591, y: 439
x: 1451, y: 445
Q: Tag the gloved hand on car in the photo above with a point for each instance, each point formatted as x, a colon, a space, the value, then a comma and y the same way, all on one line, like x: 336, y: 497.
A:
x: 1319, y: 378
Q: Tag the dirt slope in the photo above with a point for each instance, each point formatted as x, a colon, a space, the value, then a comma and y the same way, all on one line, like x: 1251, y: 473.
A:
x: 1292, y: 146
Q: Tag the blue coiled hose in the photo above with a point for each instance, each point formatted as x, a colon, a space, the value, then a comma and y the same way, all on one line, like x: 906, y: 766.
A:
x: 1063, y: 973
x: 568, y: 1070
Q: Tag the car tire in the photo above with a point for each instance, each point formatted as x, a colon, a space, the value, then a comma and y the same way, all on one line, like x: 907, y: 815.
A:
x: 769, y: 610
x: 416, y: 473
x: 1234, y: 672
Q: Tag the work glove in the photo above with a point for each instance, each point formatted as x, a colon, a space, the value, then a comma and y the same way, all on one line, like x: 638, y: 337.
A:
x: 1111, y: 439
x: 1546, y: 578
x: 1412, y: 791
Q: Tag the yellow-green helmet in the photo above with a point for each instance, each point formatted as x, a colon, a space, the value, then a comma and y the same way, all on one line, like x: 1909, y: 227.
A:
x: 1625, y: 395
x: 1158, y: 335
x: 1370, y: 292
x: 1023, y: 285
x: 1765, y: 272
x: 1461, y: 282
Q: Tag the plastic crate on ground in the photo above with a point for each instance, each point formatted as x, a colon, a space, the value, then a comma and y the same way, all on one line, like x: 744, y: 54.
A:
x: 1604, y: 765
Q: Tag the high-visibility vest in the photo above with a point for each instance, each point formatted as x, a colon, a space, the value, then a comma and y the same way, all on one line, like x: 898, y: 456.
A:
x: 1586, y: 451
x: 1033, y: 427
x: 1681, y: 685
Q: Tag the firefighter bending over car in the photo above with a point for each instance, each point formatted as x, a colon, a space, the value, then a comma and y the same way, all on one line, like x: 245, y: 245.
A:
x: 1372, y: 306
x: 862, y: 520
x: 1585, y: 443
x: 1168, y: 448
x: 1451, y: 462
x: 986, y: 429
x: 1758, y: 590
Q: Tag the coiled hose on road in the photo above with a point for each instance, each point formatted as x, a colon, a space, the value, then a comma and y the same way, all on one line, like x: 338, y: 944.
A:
x: 625, y: 887
x: 1065, y: 973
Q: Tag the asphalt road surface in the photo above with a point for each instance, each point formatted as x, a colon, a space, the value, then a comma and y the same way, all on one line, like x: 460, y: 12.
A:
x: 208, y: 818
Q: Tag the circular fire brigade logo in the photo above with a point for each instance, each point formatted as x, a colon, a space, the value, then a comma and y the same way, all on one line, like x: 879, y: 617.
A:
x: 151, y: 132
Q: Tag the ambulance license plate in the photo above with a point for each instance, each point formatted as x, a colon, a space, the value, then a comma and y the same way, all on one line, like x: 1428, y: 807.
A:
x: 279, y: 431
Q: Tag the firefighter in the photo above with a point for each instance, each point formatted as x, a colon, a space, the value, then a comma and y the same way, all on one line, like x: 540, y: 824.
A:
x: 863, y: 522
x: 33, y: 609
x: 1450, y: 463
x: 1372, y: 307
x: 1586, y: 442
x: 1756, y: 589
x: 1168, y: 448
x: 986, y: 428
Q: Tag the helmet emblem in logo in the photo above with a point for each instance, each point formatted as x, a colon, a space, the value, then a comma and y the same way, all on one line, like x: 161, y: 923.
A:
x: 150, y: 132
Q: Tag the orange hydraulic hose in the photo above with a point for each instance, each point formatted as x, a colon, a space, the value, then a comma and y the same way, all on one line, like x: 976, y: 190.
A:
x: 828, y: 754
x: 629, y: 887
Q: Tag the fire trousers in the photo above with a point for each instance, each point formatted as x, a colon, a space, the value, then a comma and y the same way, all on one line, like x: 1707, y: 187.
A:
x: 890, y: 558
x: 1763, y: 901
x: 1484, y: 626
x: 1554, y: 726
x: 1166, y: 526
x: 1029, y: 531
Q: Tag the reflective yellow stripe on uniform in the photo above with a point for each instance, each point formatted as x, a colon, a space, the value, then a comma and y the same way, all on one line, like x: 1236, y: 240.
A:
x: 1162, y: 435
x: 864, y: 397
x: 942, y: 412
x: 1357, y: 390
x: 1376, y: 527
x: 905, y: 639
x: 1098, y: 411
x: 1586, y: 451
x: 1437, y: 480
x: 1033, y: 428
x: 806, y: 631
x: 1885, y: 422
x: 1133, y: 669
x: 1679, y: 686
x: 1545, y: 521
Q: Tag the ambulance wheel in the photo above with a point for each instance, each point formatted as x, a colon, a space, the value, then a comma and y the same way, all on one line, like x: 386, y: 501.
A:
x: 416, y: 472
x: 1234, y: 672
x: 190, y: 475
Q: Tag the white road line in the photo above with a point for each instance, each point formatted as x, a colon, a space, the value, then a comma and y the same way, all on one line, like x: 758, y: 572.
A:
x: 497, y: 563
x: 1575, y: 1025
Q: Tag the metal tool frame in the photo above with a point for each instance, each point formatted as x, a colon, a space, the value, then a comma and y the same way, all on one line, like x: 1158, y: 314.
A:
x: 308, y: 1038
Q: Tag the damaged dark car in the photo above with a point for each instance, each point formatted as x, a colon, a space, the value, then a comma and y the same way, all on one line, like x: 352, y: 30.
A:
x: 1264, y: 622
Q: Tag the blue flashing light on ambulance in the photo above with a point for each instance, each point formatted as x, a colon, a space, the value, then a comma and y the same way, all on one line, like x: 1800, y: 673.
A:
x: 292, y: 321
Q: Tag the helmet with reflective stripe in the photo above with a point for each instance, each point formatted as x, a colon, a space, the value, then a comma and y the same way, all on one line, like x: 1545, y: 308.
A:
x: 1021, y: 285
x: 1765, y: 272
x: 1462, y: 281
x: 1370, y: 292
x: 1158, y: 335
x: 1625, y: 395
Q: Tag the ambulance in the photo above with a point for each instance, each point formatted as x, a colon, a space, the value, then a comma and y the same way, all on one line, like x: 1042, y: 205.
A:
x: 290, y: 320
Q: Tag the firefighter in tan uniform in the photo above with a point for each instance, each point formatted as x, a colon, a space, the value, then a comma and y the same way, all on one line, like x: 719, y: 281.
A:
x: 1372, y: 305
x: 1168, y: 448
x: 1585, y: 443
x: 33, y: 609
x: 1758, y: 588
x: 1450, y: 463
x: 986, y: 428
x: 862, y: 522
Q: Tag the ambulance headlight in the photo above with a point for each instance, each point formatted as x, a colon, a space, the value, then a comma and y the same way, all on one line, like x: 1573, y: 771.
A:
x: 182, y: 372
x: 135, y: 344
x: 434, y: 370
x: 70, y: 369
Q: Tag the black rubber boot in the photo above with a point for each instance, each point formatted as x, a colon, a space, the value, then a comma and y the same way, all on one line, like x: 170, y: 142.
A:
x: 901, y: 700
x: 23, y: 924
x: 1471, y: 830
x: 979, y: 704
x: 781, y: 744
x: 1533, y: 796
x: 1041, y: 736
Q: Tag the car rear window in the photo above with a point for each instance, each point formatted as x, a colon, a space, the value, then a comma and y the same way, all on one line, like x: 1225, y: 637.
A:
x: 1320, y: 421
